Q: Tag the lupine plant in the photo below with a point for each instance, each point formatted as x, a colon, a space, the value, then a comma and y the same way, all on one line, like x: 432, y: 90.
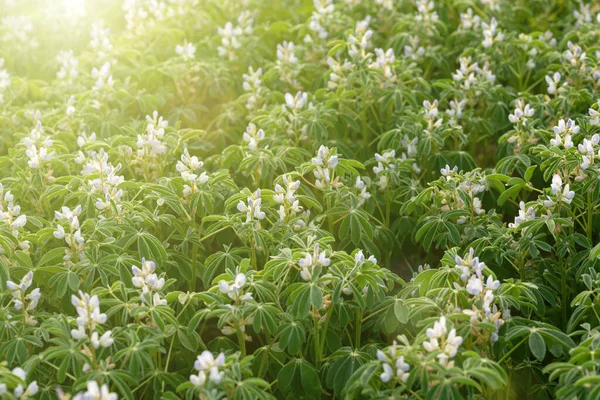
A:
x: 299, y: 199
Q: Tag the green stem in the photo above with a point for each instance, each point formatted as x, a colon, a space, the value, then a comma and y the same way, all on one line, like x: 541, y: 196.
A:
x: 358, y: 329
x: 590, y: 213
x: 241, y: 339
x: 563, y: 283
x: 316, y: 342
x: 522, y: 268
x: 513, y: 349
x: 194, y: 256
x: 324, y: 336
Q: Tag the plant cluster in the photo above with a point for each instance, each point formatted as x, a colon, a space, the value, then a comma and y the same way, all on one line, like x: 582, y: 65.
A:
x: 300, y: 199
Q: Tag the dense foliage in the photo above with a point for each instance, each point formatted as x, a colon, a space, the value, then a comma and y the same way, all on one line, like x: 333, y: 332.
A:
x: 261, y: 199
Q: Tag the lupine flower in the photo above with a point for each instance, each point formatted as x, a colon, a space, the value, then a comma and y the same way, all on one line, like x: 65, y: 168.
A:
x: 456, y: 109
x: 339, y: 69
x: 252, y: 207
x: 402, y: 368
x: 310, y: 262
x: 96, y: 392
x: 568, y: 127
x: 448, y: 172
x: 21, y: 391
x: 426, y: 14
x: 205, y: 364
x: 17, y: 29
x: 230, y: 42
x: 491, y: 33
x: 187, y: 50
x: 385, y: 4
x: 88, y: 309
x: 37, y: 146
x: 583, y: 15
x: 363, y: 195
x: 522, y: 112
x: 575, y: 55
x: 470, y: 21
x: 385, y: 63
x: 554, y: 82
x: 234, y: 290
x: 325, y: 164
x: 441, y: 340
x: 188, y: 167
x: 431, y: 113
x: 10, y: 213
x: 252, y: 84
x: 100, y: 42
x: 285, y: 53
x: 73, y: 238
x: 145, y: 277
x: 68, y: 66
x: 295, y: 103
x: 523, y: 216
x: 18, y: 292
x: 253, y: 136
x: 103, y: 77
x: 468, y: 265
x: 562, y: 193
x: 360, y: 41
x: 412, y: 50
x: 150, y: 144
x: 4, y: 80
x: 284, y: 195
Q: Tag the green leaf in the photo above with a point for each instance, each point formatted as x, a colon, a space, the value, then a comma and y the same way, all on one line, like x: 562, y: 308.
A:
x: 537, y: 345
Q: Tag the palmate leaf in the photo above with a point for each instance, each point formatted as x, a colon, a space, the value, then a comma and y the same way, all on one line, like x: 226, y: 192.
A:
x: 298, y: 376
x: 439, y: 230
x: 292, y: 337
x: 346, y: 363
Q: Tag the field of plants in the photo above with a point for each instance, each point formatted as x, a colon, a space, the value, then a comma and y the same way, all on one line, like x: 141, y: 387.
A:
x: 298, y: 199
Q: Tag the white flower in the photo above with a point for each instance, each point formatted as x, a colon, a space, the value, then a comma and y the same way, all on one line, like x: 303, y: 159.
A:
x: 325, y: 163
x: 575, y: 55
x: 96, y: 392
x: 441, y: 340
x: 492, y: 284
x: 207, y: 363
x: 387, y: 373
x: 68, y: 66
x: 18, y: 290
x: 88, y: 309
x: 310, y: 262
x: 187, y: 50
x: 285, y: 53
x: 447, y: 172
x: 20, y: 391
x: 145, y: 277
x: 284, y: 195
x: 253, y: 207
x: 385, y: 63
x: 234, y: 290
x: 568, y: 127
x: 474, y: 286
x: 563, y: 193
x: 553, y: 83
x: 295, y: 103
x: 412, y: 50
x: 100, y: 39
x: 522, y: 112
x: 187, y: 167
x: 253, y: 136
x: 524, y: 215
x: 491, y: 33
x: 103, y: 77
